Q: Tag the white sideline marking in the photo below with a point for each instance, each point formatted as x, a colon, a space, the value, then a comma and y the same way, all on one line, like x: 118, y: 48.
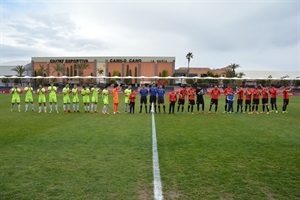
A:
x: 156, y: 172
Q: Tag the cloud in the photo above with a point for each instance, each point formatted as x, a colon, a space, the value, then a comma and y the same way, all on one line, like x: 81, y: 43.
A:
x: 254, y: 34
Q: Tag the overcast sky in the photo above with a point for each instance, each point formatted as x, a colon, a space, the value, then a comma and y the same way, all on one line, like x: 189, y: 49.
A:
x: 257, y: 34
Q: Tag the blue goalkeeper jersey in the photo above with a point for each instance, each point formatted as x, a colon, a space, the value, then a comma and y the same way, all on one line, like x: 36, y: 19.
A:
x: 153, y: 91
x: 160, y: 92
x: 143, y: 92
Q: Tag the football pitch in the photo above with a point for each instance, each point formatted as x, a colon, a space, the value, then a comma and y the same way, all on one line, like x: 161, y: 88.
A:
x: 95, y: 156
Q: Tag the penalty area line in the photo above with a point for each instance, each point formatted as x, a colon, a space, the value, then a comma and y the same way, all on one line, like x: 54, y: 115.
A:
x: 158, y: 195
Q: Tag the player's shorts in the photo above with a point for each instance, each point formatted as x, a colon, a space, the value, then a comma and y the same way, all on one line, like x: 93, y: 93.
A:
x: 247, y: 102
x: 200, y: 101
x: 191, y: 102
x: 240, y: 101
x: 286, y: 102
x: 94, y: 99
x: 143, y: 100
x: 214, y: 101
x: 273, y: 100
x: 264, y: 100
x: 255, y: 101
x: 180, y: 101
x: 75, y: 99
x: 42, y: 99
x: 105, y: 101
x: 67, y: 100
x: 29, y: 99
x: 15, y: 100
x: 52, y: 99
x: 116, y: 100
x: 127, y: 101
x: 86, y: 99
x: 152, y: 99
x: 160, y: 100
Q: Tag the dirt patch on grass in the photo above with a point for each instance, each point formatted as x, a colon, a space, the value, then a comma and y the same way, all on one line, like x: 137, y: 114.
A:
x: 173, y: 194
x: 144, y: 194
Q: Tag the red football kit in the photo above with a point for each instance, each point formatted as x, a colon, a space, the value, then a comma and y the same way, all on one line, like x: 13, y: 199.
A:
x: 248, y: 94
x: 215, y: 93
x: 256, y: 94
x: 182, y: 94
x: 240, y: 93
x: 273, y: 92
x: 132, y: 97
x: 227, y: 91
x: 172, y: 97
x: 191, y: 94
x: 285, y: 94
x: 265, y: 93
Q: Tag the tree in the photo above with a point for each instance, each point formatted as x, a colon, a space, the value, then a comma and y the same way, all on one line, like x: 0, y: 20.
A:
x: 230, y: 73
x: 211, y: 81
x: 113, y: 80
x: 20, y: 69
x: 5, y: 81
x: 189, y: 55
x: 135, y: 73
x: 240, y: 74
x: 297, y: 82
x: 43, y: 71
x: 284, y: 82
x: 17, y: 80
x: 233, y: 67
x: 165, y: 73
x: 59, y: 69
x: 189, y: 81
x: 81, y: 67
x: 127, y: 80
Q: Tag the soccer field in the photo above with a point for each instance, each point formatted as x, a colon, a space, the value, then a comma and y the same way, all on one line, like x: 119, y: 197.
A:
x: 95, y: 156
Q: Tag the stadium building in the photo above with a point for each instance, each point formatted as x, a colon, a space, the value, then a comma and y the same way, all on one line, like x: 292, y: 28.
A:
x: 103, y: 66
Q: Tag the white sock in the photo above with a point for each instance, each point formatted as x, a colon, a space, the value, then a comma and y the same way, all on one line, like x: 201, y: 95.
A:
x: 92, y: 106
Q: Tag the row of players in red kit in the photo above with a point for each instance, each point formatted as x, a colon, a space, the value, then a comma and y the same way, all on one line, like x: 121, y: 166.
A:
x: 252, y: 99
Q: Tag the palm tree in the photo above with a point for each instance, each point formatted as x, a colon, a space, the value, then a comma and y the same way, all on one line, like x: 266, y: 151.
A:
x: 240, y: 74
x: 20, y: 69
x: 60, y: 69
x: 42, y: 71
x: 189, y: 55
x: 81, y: 67
x: 233, y: 67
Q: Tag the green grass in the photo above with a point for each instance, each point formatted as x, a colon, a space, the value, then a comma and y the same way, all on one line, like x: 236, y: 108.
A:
x: 91, y: 156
